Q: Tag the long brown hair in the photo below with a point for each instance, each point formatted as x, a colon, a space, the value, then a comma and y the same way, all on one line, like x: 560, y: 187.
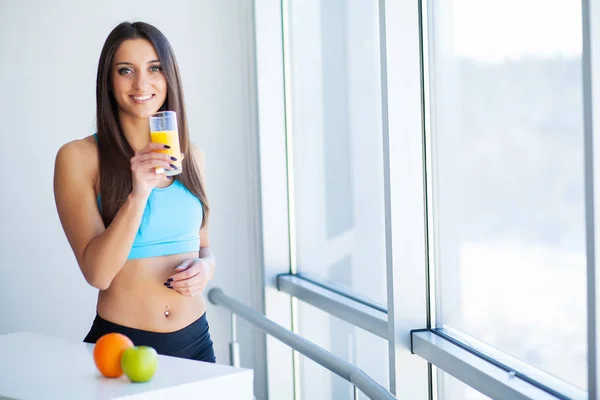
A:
x: 115, y: 150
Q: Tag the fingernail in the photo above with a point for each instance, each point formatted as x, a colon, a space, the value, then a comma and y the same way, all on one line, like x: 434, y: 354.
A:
x: 167, y: 284
x: 173, y: 166
x: 173, y: 158
x: 170, y: 280
x: 167, y: 146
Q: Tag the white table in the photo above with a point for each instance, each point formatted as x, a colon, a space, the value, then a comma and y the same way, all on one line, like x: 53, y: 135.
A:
x: 34, y: 366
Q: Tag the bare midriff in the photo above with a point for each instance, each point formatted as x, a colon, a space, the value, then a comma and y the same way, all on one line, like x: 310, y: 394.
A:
x: 137, y: 297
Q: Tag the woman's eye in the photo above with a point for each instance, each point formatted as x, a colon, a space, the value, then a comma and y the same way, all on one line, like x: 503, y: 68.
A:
x: 125, y: 71
x: 155, y: 68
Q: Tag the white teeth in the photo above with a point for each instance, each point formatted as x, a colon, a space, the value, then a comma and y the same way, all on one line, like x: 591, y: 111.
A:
x: 142, y: 98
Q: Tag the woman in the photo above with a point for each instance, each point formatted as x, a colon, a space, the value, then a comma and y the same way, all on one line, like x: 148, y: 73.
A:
x: 139, y: 237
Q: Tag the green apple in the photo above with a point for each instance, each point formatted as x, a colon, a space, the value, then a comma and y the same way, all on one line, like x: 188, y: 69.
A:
x: 139, y: 363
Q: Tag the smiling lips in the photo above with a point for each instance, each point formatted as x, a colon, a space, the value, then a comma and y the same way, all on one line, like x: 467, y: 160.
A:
x: 141, y: 99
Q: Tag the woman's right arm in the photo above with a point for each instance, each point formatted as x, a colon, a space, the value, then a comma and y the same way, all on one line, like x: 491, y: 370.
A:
x: 100, y: 252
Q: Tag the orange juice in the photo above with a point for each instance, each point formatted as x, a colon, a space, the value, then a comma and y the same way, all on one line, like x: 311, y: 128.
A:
x: 170, y: 138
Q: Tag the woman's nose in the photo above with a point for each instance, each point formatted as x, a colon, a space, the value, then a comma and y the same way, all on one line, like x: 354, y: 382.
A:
x: 140, y: 80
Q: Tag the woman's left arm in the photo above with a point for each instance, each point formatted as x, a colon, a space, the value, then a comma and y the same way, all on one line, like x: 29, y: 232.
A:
x: 193, y: 275
x: 206, y: 253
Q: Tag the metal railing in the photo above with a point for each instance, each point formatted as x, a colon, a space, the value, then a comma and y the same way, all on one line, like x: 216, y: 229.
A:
x: 342, y: 368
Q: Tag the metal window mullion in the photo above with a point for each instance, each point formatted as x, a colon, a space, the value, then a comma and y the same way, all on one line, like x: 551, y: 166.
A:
x: 291, y: 192
x: 591, y: 107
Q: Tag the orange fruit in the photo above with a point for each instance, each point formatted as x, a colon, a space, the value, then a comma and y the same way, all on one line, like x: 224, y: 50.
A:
x: 108, y: 351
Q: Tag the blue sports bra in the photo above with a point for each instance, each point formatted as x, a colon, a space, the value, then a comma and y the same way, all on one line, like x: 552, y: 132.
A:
x: 170, y: 225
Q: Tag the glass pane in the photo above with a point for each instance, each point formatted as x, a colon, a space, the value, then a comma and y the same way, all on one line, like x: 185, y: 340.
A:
x: 508, y: 178
x: 357, y: 346
x: 337, y: 143
x: 450, y: 388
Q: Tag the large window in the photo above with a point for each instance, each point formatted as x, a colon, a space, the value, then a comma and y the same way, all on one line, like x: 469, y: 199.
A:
x: 336, y: 135
x: 508, y: 180
x: 438, y: 145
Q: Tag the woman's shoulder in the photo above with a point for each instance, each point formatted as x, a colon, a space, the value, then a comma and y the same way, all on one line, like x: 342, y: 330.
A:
x: 80, y: 148
x: 81, y: 153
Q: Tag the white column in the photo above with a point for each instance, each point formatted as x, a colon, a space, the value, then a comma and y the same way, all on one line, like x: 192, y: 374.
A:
x: 404, y: 192
x: 273, y: 178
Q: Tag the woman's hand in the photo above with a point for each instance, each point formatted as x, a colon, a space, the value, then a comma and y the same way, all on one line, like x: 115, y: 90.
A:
x: 192, y: 278
x: 143, y: 169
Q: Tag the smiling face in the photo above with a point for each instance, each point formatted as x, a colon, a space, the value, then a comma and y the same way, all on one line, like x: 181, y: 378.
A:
x: 138, y: 83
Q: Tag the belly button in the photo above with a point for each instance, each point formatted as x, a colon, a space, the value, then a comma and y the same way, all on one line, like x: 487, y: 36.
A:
x: 167, y: 312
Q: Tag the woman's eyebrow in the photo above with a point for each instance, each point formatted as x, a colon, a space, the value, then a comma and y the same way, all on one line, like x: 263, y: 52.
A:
x: 128, y: 63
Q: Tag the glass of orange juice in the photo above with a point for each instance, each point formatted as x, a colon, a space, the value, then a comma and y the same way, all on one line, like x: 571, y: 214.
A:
x: 163, y: 129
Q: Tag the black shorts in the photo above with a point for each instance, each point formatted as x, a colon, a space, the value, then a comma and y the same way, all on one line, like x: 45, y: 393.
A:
x: 192, y: 342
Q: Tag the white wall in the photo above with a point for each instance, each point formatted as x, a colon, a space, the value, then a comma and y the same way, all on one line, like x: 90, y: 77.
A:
x: 48, y: 59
